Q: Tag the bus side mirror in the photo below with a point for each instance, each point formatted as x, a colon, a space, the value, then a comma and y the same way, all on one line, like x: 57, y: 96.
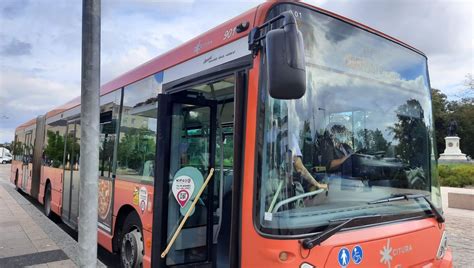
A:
x: 286, y: 73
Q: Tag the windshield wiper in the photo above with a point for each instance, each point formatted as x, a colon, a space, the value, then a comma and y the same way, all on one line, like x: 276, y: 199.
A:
x: 398, y: 197
x: 311, y: 242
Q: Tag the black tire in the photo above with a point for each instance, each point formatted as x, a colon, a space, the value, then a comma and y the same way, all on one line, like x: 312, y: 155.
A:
x: 131, y: 243
x: 4, y: 162
x: 47, y: 201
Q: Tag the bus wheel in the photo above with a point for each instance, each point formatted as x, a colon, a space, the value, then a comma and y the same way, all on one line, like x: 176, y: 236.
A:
x: 131, y: 246
x: 47, y: 201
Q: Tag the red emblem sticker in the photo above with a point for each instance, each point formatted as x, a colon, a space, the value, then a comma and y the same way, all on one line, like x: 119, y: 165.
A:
x: 183, y: 188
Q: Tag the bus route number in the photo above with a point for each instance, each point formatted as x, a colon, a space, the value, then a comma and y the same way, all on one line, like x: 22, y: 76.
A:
x: 297, y: 14
x: 229, y: 33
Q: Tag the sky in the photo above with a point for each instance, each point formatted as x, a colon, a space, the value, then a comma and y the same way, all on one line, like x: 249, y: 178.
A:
x: 40, y: 41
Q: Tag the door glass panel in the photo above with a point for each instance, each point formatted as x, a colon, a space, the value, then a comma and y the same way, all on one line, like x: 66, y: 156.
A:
x: 76, y: 175
x: 201, y: 137
x: 68, y: 169
x: 190, y: 132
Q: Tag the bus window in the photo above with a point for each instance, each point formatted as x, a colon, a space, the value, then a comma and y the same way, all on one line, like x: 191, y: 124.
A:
x: 54, y: 144
x: 109, y: 113
x: 18, y: 148
x: 136, y: 149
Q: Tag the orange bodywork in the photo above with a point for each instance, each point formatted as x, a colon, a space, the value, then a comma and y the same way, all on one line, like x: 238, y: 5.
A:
x: 16, y: 167
x: 413, y: 243
x: 124, y: 195
x: 55, y: 177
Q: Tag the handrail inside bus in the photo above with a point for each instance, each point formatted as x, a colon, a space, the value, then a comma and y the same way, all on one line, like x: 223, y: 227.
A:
x: 294, y: 198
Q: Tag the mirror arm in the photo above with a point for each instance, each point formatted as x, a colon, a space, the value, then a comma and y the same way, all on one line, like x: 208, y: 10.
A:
x: 255, y: 36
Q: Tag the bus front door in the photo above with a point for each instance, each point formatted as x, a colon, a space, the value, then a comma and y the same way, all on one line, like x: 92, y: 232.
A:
x: 196, y: 130
x: 192, y: 145
x: 70, y: 207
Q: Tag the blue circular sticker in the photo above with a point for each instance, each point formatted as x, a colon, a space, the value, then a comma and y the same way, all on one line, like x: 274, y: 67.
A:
x: 357, y: 254
x: 343, y: 257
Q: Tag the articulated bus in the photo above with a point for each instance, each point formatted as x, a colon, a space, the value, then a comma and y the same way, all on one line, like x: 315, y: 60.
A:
x: 319, y: 131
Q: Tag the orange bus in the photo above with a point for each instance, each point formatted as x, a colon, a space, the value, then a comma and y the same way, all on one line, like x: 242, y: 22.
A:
x: 319, y: 129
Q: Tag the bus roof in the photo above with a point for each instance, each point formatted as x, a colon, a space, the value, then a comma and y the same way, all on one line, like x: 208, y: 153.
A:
x: 199, y: 45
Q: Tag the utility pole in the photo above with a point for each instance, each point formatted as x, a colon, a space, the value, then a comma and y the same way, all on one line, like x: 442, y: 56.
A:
x: 89, y: 159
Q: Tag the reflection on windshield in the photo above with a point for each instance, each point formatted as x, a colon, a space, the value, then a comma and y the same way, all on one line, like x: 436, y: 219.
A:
x: 363, y: 128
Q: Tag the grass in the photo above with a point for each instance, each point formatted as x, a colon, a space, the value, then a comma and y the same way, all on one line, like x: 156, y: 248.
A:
x: 456, y: 175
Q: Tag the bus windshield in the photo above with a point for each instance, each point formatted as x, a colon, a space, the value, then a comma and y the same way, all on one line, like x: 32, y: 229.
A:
x: 364, y: 128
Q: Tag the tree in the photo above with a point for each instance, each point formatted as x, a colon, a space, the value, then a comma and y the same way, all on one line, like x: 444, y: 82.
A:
x: 412, y: 134
x: 463, y: 112
x: 55, y: 149
x: 440, y: 115
x: 136, y: 147
x: 460, y: 110
x: 371, y: 141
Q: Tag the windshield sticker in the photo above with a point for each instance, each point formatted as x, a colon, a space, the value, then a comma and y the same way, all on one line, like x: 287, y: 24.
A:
x: 143, y: 198
x: 268, y: 216
x: 343, y: 257
x: 357, y: 254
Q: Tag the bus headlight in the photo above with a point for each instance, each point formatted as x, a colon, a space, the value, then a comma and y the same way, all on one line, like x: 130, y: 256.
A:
x: 443, y: 246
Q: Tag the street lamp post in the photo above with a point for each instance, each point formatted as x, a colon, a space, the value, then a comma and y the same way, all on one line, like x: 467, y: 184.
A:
x: 89, y: 159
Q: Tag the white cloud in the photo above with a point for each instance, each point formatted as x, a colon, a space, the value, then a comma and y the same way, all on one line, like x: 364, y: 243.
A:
x: 443, y: 30
x: 24, y: 97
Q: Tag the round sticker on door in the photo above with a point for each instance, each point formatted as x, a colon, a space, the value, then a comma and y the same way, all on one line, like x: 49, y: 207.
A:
x: 183, y: 188
x: 185, y: 182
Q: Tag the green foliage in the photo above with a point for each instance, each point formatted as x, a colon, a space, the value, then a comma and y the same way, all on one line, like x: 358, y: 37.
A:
x: 371, y: 140
x: 228, y: 146
x: 136, y: 147
x: 440, y: 116
x: 412, y: 133
x: 55, y: 149
x: 463, y: 112
x: 456, y: 175
x: 18, y: 148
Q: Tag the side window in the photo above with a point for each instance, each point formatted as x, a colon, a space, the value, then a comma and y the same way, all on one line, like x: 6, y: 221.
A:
x: 19, y: 146
x: 109, y: 116
x: 29, y: 145
x: 137, y: 143
x: 54, y: 144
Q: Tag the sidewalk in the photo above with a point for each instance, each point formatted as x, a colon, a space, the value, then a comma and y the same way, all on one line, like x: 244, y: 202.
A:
x: 22, y: 241
x: 27, y: 237
x: 460, y: 230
